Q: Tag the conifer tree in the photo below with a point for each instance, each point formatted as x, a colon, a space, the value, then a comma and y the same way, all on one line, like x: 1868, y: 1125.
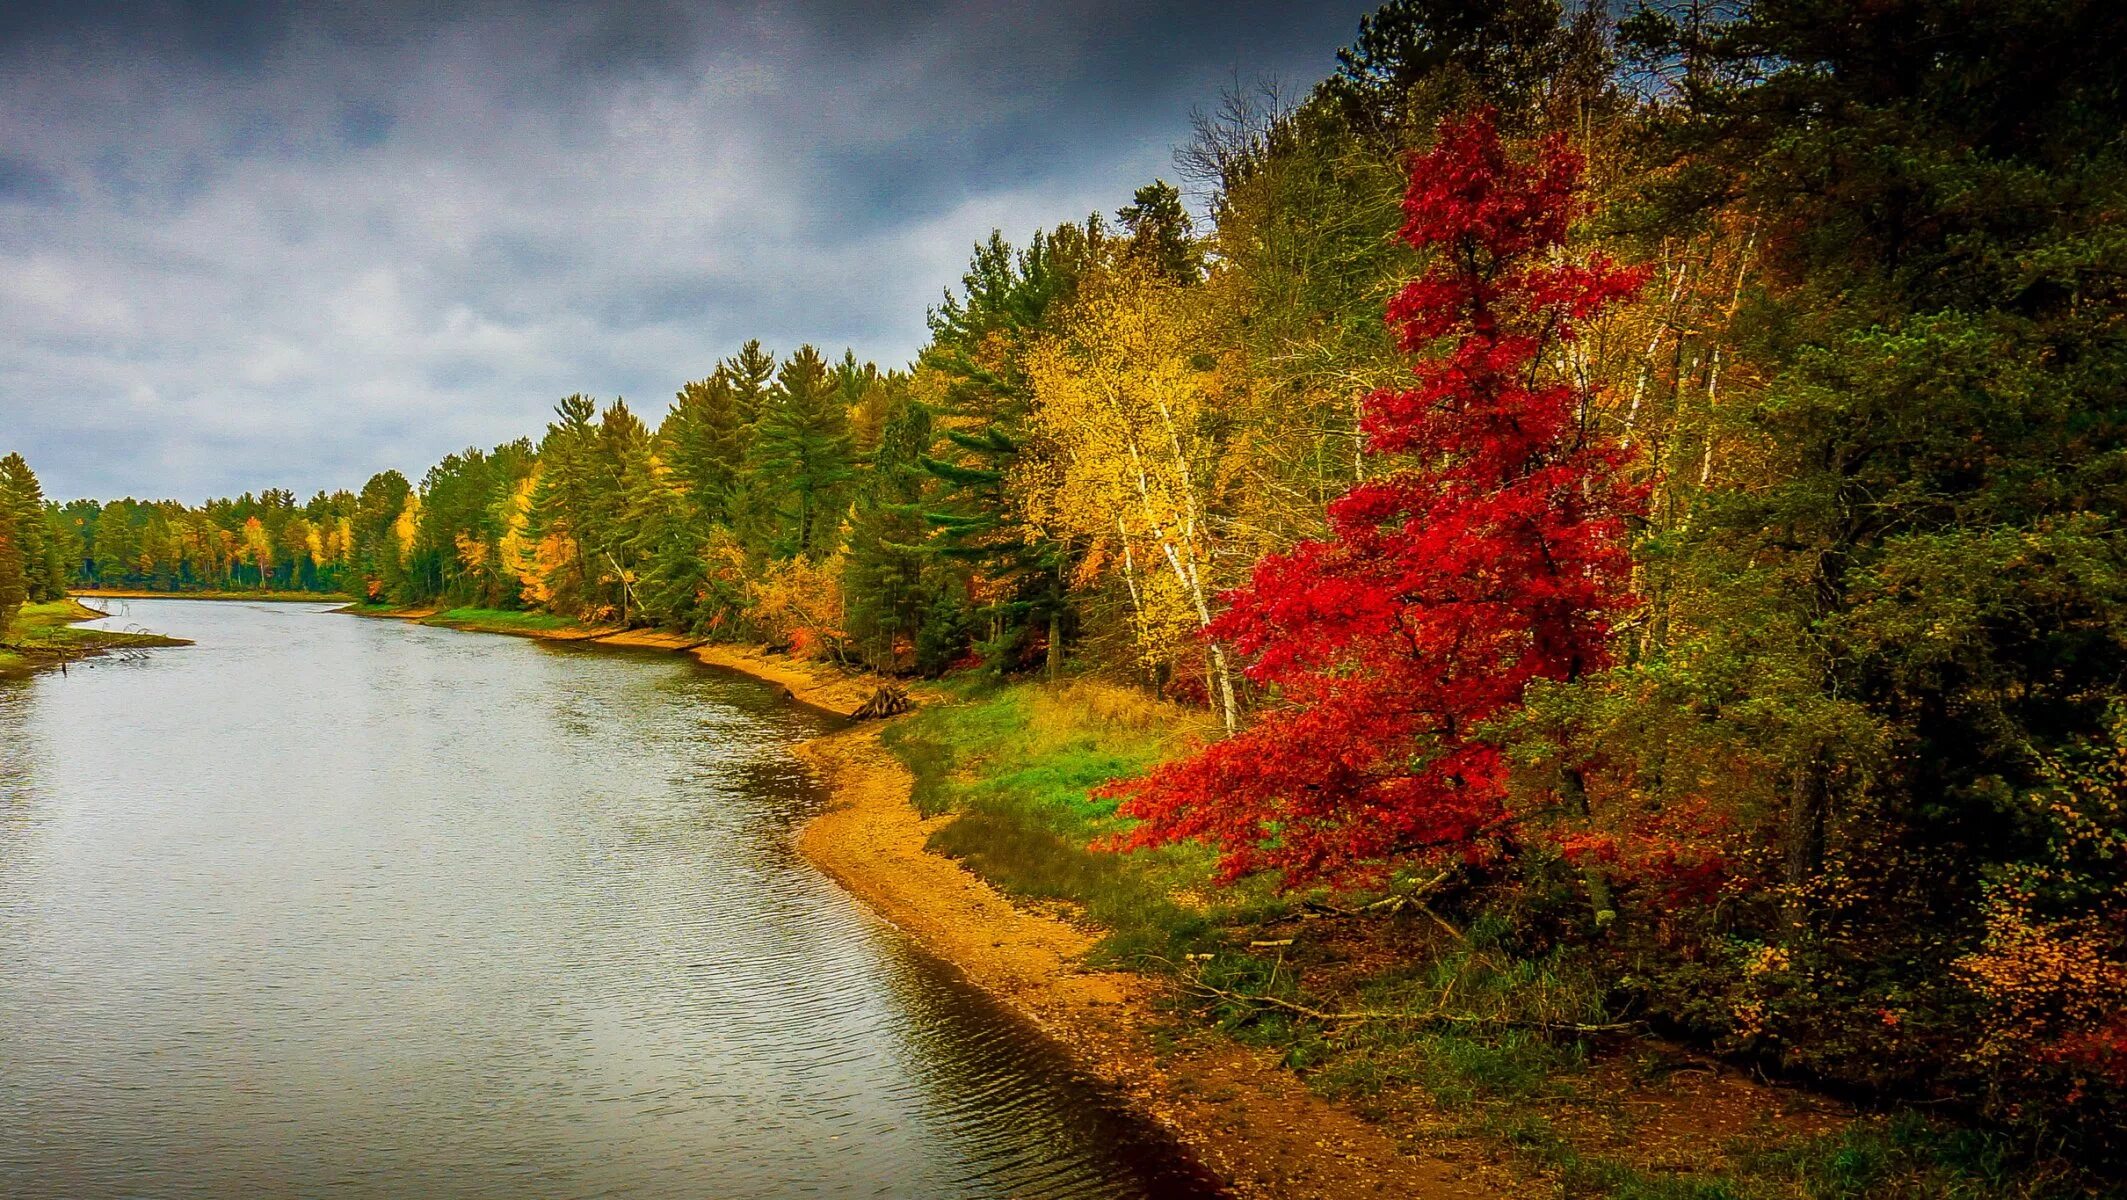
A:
x: 1160, y: 233
x: 13, y: 589
x: 561, y: 505
x: 979, y: 340
x: 803, y: 456
x: 889, y: 574
x: 751, y: 372
x: 43, y: 575
x: 704, y: 438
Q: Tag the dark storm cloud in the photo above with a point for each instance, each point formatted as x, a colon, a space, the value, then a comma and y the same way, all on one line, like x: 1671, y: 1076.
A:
x: 248, y: 245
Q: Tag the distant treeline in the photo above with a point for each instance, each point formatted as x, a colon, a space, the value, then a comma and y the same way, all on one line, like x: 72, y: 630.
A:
x: 1822, y: 765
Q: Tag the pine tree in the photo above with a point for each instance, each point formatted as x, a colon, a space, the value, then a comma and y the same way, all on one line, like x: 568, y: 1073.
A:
x: 1160, y: 233
x: 979, y: 340
x: 13, y: 589
x: 803, y: 457
x: 561, y: 505
x: 43, y: 574
x: 704, y: 438
x: 889, y: 576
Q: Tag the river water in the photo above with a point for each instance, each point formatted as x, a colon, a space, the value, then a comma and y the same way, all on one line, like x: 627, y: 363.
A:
x: 323, y: 906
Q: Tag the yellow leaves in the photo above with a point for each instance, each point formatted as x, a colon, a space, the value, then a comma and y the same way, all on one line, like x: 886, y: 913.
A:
x: 798, y: 602
x: 257, y: 545
x: 472, y: 552
x: 553, y: 554
x: 1126, y: 463
x: 518, y: 555
x: 407, y: 526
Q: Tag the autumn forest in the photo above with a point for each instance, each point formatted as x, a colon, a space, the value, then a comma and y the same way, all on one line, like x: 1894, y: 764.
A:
x: 1649, y: 491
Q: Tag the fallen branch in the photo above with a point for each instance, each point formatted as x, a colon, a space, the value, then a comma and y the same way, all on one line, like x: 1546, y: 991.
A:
x: 1391, y: 905
x: 1386, y: 1016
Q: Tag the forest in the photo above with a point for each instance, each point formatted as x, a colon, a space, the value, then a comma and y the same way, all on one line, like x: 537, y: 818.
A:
x: 1654, y: 485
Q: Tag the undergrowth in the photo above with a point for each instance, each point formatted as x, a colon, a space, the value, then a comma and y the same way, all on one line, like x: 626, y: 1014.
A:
x: 1483, y: 1030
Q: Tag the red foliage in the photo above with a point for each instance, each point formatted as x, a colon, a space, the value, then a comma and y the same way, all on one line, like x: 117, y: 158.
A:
x: 1494, y: 555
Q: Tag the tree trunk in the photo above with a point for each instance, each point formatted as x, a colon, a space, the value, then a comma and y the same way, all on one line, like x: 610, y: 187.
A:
x: 1055, y: 664
x: 1600, y: 901
x: 1802, y: 837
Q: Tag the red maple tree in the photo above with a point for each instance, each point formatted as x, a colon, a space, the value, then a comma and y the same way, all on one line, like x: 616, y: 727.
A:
x: 1493, y: 554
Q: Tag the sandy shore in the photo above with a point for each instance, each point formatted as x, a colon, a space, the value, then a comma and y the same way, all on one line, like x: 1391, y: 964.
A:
x: 1252, y: 1123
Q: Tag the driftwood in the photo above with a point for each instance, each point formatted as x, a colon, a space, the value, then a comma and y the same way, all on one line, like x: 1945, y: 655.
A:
x: 891, y: 700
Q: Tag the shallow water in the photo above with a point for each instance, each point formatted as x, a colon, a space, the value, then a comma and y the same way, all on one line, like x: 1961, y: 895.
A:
x: 339, y: 907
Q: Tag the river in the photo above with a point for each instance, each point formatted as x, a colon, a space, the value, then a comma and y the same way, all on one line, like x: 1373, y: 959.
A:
x: 324, y: 906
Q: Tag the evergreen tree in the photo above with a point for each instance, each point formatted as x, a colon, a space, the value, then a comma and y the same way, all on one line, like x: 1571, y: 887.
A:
x: 1160, y: 233
x: 561, y: 506
x: 704, y: 438
x: 803, y: 457
x: 889, y: 577
x: 376, y: 550
x: 1922, y: 574
x: 13, y: 588
x: 751, y: 373
x: 43, y: 573
x: 1416, y: 61
x: 979, y: 340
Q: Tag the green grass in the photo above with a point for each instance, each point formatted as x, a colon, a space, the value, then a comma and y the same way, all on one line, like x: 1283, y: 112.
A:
x: 1018, y: 764
x: 500, y: 619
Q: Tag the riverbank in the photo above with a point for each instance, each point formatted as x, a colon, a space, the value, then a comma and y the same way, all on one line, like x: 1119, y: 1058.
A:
x: 969, y: 827
x: 1254, y: 1125
x: 273, y: 597
x: 45, y: 636
x: 817, y: 685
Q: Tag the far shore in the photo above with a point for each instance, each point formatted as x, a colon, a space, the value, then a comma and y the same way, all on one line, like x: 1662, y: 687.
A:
x: 150, y: 594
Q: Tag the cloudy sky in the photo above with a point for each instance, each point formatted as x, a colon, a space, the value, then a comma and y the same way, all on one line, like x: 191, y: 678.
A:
x: 247, y: 245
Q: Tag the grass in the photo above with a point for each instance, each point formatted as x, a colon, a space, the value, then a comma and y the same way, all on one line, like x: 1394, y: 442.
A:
x: 1018, y: 764
x: 498, y: 619
x: 48, y: 634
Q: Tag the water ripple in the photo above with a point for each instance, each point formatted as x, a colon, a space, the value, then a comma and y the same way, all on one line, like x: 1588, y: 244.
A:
x: 333, y: 907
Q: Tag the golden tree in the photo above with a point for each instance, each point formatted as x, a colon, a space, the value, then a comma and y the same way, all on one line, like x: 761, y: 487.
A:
x: 1130, y: 462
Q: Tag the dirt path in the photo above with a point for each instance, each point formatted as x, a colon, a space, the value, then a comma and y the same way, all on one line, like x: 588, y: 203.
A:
x: 1249, y: 1121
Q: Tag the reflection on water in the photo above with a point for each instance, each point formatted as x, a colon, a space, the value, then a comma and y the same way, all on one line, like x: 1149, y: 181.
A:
x: 326, y: 906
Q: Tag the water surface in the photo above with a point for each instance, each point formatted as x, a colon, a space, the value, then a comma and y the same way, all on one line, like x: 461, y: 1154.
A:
x: 326, y: 906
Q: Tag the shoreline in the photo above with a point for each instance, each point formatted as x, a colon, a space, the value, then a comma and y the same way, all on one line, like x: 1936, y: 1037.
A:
x: 43, y: 637
x: 1252, y: 1123
x: 1255, y: 1125
x: 269, y: 597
